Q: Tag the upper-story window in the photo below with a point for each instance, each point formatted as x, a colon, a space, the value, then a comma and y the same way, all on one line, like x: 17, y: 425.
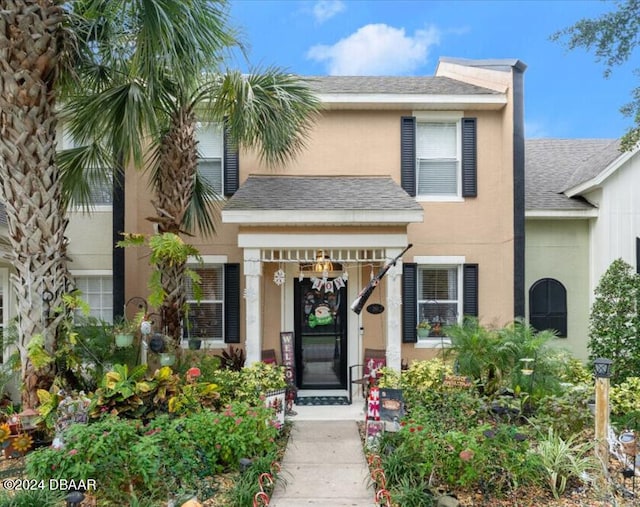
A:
x: 101, y: 193
x: 438, y: 158
x: 211, y: 150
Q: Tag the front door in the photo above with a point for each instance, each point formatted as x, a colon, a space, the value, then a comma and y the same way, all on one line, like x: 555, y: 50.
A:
x: 321, y: 335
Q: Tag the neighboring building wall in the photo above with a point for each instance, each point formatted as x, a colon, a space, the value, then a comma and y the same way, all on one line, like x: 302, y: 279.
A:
x: 90, y: 243
x: 614, y: 233
x: 559, y: 249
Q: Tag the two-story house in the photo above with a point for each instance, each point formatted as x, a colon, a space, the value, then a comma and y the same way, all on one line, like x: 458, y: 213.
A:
x: 436, y: 162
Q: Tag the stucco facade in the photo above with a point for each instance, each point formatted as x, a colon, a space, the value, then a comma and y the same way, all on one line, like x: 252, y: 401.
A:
x: 358, y: 135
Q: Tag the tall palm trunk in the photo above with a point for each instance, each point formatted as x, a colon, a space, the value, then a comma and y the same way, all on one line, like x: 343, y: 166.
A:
x: 30, y: 182
x: 177, y: 164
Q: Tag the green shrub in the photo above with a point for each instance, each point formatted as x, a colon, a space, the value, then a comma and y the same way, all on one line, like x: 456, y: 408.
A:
x: 625, y: 404
x: 248, y: 384
x: 576, y: 372
x: 171, y: 454
x: 566, y: 413
x: 111, y: 451
x: 614, y: 321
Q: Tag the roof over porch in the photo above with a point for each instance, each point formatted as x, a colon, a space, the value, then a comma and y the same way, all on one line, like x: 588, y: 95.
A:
x: 321, y: 200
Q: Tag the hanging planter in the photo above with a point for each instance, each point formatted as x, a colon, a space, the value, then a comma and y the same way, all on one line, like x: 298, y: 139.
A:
x: 124, y: 340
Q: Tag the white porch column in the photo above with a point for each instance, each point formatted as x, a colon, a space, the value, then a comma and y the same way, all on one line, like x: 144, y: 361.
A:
x: 252, y: 296
x: 394, y: 310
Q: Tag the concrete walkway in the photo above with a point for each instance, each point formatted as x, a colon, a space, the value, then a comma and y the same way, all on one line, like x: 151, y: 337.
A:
x: 324, y: 463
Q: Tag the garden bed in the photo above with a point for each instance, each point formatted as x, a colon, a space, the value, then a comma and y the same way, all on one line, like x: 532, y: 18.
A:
x: 536, y: 496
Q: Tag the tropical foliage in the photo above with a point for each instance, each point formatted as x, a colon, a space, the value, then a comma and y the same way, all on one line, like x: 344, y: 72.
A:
x: 501, y: 436
x: 135, y: 109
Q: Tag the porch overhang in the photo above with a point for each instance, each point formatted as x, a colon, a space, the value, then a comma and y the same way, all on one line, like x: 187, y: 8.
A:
x: 265, y: 200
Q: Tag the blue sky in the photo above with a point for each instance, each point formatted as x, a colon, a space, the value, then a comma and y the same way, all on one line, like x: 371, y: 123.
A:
x: 566, y: 95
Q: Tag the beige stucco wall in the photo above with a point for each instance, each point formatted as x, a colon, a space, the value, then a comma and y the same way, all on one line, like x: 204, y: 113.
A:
x: 481, y: 228
x: 559, y: 249
x: 348, y: 142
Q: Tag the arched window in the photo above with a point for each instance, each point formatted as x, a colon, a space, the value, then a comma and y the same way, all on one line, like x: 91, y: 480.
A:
x: 548, y: 306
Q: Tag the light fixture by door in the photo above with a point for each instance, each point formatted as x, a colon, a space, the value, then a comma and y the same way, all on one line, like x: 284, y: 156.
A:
x: 323, y: 262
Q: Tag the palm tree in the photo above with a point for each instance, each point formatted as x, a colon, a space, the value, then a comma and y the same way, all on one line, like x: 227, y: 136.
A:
x: 31, y: 50
x: 46, y: 46
x: 271, y: 110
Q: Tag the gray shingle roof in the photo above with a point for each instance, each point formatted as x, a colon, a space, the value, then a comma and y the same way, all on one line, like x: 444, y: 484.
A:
x: 554, y: 165
x: 319, y: 193
x: 426, y: 85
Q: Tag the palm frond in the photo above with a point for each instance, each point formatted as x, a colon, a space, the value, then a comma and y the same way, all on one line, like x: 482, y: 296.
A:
x: 204, y: 209
x: 82, y: 171
x: 270, y: 110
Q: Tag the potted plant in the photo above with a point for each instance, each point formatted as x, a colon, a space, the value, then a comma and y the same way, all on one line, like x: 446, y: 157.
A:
x: 195, y: 343
x: 423, y: 328
x: 124, y: 332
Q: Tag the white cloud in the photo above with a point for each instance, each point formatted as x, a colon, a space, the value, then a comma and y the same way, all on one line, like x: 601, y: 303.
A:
x: 377, y: 49
x: 326, y: 9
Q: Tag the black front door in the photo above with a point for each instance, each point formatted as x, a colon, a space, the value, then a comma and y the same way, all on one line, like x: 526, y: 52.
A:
x: 321, y: 335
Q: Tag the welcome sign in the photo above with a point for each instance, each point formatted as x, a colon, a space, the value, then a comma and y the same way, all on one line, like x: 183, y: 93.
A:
x: 288, y: 358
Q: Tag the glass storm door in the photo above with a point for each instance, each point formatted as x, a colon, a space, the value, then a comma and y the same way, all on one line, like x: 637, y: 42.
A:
x: 321, y: 335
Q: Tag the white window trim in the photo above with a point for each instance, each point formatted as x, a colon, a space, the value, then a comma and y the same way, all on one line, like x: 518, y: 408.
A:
x: 444, y: 116
x: 91, y: 272
x: 207, y: 260
x: 441, y: 261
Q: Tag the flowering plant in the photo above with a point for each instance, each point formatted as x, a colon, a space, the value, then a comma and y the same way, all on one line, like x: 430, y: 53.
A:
x: 423, y: 324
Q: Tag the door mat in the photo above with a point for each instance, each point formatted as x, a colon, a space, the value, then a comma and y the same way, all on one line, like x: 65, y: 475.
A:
x: 322, y: 400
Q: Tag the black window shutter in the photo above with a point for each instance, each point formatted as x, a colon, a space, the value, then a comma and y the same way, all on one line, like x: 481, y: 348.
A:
x: 469, y: 158
x: 637, y: 255
x: 409, y: 302
x: 470, y: 290
x: 231, y: 165
x: 408, y: 154
x: 232, y: 303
